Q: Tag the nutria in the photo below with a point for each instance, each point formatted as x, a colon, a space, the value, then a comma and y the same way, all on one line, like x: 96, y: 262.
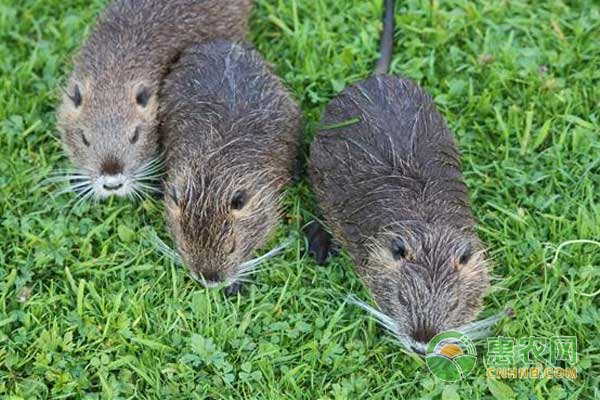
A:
x: 108, y: 115
x: 387, y: 174
x: 231, y: 133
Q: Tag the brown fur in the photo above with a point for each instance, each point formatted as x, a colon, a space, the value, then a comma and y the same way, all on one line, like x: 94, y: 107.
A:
x: 232, y: 132
x: 123, y: 60
x: 391, y: 190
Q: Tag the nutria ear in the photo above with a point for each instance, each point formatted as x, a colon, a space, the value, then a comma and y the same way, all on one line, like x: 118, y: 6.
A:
x: 75, y: 95
x: 465, y: 254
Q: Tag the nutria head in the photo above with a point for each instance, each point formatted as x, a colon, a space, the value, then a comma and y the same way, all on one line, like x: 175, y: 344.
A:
x: 427, y: 278
x: 218, y: 219
x: 108, y: 130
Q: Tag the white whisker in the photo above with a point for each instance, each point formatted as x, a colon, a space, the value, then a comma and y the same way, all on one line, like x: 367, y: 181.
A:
x: 83, y: 197
x: 250, y: 267
x: 147, y: 187
x: 136, y: 195
x: 481, y: 328
x: 252, y: 263
x: 478, y: 334
x: 166, y: 250
x: 63, y: 178
x: 72, y: 189
x: 147, y: 177
x: 386, y: 322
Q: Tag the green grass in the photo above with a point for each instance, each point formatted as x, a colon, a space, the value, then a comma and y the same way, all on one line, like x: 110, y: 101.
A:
x: 89, y: 308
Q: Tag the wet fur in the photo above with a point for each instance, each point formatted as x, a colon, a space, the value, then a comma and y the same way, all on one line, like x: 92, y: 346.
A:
x: 396, y: 173
x: 229, y: 125
x: 127, y: 53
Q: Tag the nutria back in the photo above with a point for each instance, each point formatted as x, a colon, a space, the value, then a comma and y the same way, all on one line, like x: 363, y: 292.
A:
x: 231, y: 132
x: 387, y: 174
x: 108, y: 115
x: 143, y: 36
x: 398, y: 160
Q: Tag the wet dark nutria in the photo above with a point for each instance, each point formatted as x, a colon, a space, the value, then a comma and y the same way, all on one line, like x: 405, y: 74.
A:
x: 108, y: 117
x: 387, y: 174
x: 231, y: 132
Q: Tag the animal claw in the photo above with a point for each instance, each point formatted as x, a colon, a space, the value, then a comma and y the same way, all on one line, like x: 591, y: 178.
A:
x: 320, y: 245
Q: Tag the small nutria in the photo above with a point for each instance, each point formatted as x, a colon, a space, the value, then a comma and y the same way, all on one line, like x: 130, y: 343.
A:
x: 387, y: 174
x: 108, y: 116
x: 231, y: 133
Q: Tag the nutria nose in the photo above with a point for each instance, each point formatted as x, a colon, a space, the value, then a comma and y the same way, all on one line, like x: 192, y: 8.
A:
x: 111, y: 166
x: 423, y: 335
x: 115, y: 186
x: 212, y: 277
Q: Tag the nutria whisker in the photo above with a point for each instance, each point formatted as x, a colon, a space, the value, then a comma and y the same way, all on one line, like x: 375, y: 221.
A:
x: 250, y: 266
x: 480, y: 329
x: 149, y: 187
x: 143, y: 189
x: 84, y: 196
x: 147, y: 178
x: 72, y: 181
x: 62, y: 178
x: 61, y: 171
x: 380, y: 317
x: 154, y: 163
x: 384, y: 320
x: 166, y: 250
x: 58, y: 177
x: 79, y: 187
x: 76, y: 181
x: 138, y: 195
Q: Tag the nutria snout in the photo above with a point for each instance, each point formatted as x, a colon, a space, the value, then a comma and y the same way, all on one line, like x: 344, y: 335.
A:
x: 218, y: 217
x: 427, y: 277
x: 108, y: 115
x: 231, y: 133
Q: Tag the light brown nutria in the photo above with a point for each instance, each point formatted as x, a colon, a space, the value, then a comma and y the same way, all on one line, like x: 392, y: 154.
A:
x: 387, y: 175
x: 108, y: 116
x: 231, y: 133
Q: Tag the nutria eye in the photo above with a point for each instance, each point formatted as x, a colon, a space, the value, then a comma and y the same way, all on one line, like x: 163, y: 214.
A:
x: 143, y: 96
x: 136, y: 135
x: 76, y: 96
x: 85, y: 139
x: 239, y: 200
x: 466, y: 254
x: 398, y: 249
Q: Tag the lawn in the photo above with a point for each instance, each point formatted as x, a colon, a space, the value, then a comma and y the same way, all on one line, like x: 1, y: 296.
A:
x: 90, y: 309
